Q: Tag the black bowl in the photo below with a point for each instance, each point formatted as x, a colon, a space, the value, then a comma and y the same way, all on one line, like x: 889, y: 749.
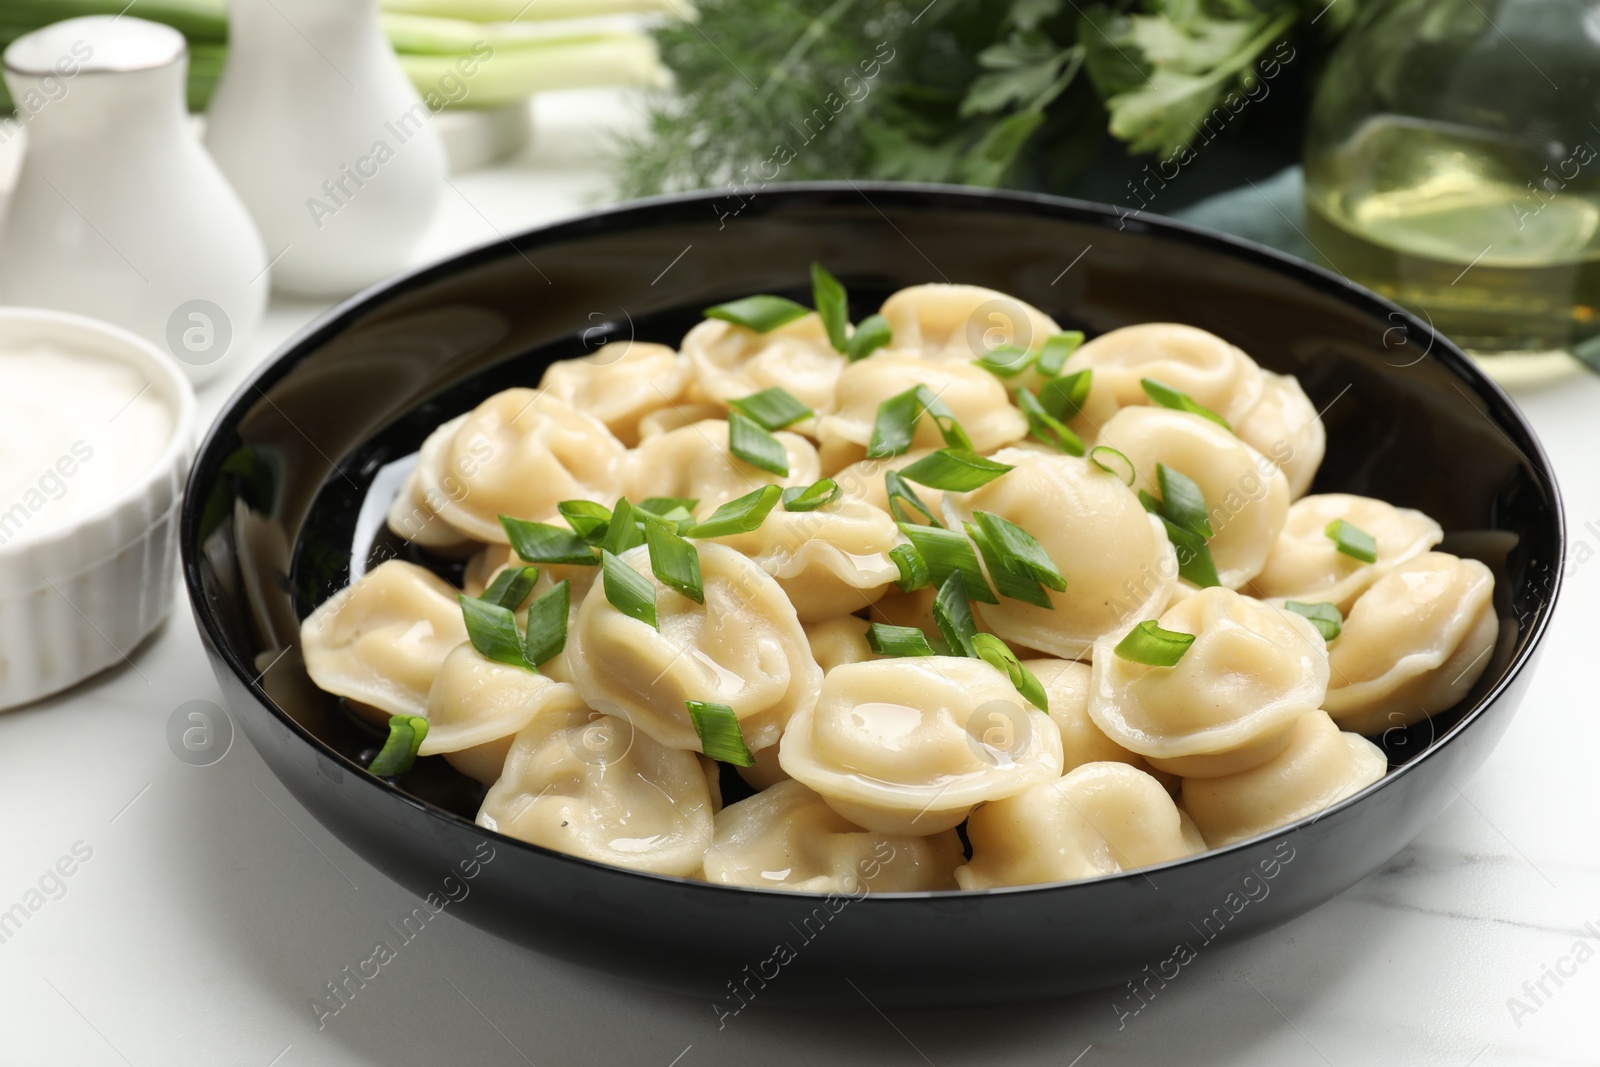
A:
x: 287, y: 497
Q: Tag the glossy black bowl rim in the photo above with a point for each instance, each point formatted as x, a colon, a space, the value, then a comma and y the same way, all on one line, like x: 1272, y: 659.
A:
x: 1501, y: 410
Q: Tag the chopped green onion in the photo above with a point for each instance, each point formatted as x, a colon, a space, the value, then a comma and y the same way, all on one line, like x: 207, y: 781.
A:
x: 627, y: 590
x: 538, y: 542
x: 772, y: 409
x: 1006, y: 361
x: 1008, y: 581
x: 756, y: 446
x: 1353, y: 541
x: 624, y: 532
x: 895, y: 426
x: 953, y: 615
x: 1020, y: 548
x: 1195, y: 564
x: 1325, y: 617
x: 946, y: 552
x: 810, y: 498
x: 1114, y: 462
x: 833, y: 307
x: 889, y: 640
x: 511, y: 587
x: 679, y: 520
x: 871, y: 334
x: 492, y: 630
x: 674, y: 561
x: 547, y: 623
x: 899, y: 492
x: 953, y: 470
x: 1057, y: 347
x: 1168, y: 397
x: 399, y: 752
x: 740, y: 515
x: 1064, y: 397
x: 666, y: 505
x: 1046, y: 427
x: 954, y: 436
x: 913, y: 568
x: 720, y: 736
x: 759, y: 313
x: 587, y: 519
x: 1149, y: 644
x: 998, y: 655
x: 1182, y: 502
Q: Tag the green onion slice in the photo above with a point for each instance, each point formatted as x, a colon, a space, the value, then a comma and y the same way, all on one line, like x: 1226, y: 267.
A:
x: 740, y: 515
x: 772, y: 409
x: 1110, y: 460
x: 1182, y: 501
x: 953, y: 470
x: 1008, y: 581
x: 913, y: 568
x: 1353, y: 541
x: 399, y: 751
x: 674, y: 561
x: 720, y: 736
x: 624, y: 532
x: 1149, y: 644
x: 1057, y: 347
x: 547, y: 623
x: 627, y: 590
x: 811, y: 497
x: 663, y: 506
x: 889, y: 640
x: 946, y: 552
x: 1064, y: 397
x: 833, y: 306
x: 587, y: 519
x: 1006, y: 361
x: 953, y: 615
x: 492, y: 629
x: 757, y: 447
x: 996, y: 654
x: 1046, y: 427
x: 1325, y: 617
x: 901, y: 493
x: 1195, y: 564
x: 871, y: 334
x: 895, y: 426
x: 759, y: 313
x: 511, y: 587
x: 538, y: 542
x: 1021, y: 551
x: 1168, y: 397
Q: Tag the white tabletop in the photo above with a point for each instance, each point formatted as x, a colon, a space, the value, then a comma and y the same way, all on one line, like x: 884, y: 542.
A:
x: 212, y: 909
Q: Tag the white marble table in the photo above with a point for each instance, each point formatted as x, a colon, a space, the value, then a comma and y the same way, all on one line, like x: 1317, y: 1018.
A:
x: 212, y: 909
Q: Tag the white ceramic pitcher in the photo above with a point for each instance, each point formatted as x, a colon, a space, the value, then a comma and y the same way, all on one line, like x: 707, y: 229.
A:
x: 318, y: 128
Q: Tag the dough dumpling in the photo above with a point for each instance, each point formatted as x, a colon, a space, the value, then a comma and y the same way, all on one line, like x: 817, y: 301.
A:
x: 840, y: 640
x: 732, y: 361
x: 520, y: 453
x: 787, y: 838
x: 1414, y: 644
x: 1320, y: 767
x: 589, y: 786
x: 959, y: 323
x: 1286, y: 429
x: 1066, y: 683
x: 620, y: 384
x: 1232, y: 699
x: 477, y: 705
x: 910, y: 746
x: 381, y: 640
x: 864, y: 480
x: 1247, y: 497
x: 829, y: 561
x: 1306, y: 565
x: 677, y: 417
x: 411, y: 515
x: 1114, y: 555
x: 743, y: 647
x: 693, y: 462
x: 1212, y: 372
x: 1100, y: 818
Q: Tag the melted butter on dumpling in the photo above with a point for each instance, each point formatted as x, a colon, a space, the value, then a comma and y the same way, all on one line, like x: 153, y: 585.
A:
x: 909, y: 746
x: 477, y: 705
x: 620, y: 383
x: 743, y: 647
x: 787, y: 838
x: 1214, y: 373
x: 693, y: 462
x: 959, y: 323
x: 731, y: 362
x: 1100, y: 818
x: 1114, y: 555
x: 1414, y: 644
x: 381, y: 640
x: 590, y: 786
x: 1305, y: 564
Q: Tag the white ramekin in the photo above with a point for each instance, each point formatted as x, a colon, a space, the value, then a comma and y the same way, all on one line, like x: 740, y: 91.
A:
x: 80, y: 598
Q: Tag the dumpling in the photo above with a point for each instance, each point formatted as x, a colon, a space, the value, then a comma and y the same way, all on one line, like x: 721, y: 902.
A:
x: 732, y: 361
x: 589, y: 786
x: 1305, y: 564
x: 381, y: 640
x: 910, y: 746
x: 620, y: 384
x: 1319, y: 768
x: 1214, y: 373
x: 521, y: 453
x: 477, y: 705
x: 829, y: 561
x: 1414, y: 644
x: 677, y: 417
x: 840, y: 640
x: 482, y: 566
x: 1286, y: 428
x: 976, y: 399
x: 959, y: 323
x: 743, y: 647
x: 1100, y: 818
x: 864, y: 480
x: 1115, y: 556
x: 694, y: 462
x: 1066, y: 683
x: 411, y: 515
x: 787, y: 838
x: 1247, y: 497
x: 1232, y: 699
